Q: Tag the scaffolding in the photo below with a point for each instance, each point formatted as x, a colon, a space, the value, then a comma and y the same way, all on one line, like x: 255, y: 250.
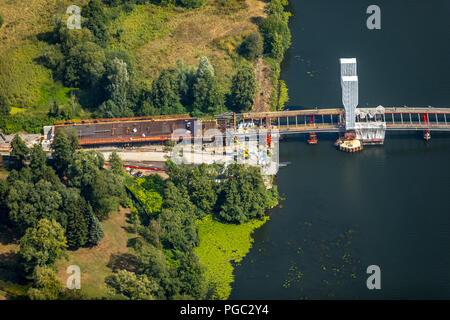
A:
x: 349, y: 84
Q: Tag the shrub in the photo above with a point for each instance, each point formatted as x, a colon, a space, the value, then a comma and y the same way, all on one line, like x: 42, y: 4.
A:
x: 252, y: 46
x: 192, y: 3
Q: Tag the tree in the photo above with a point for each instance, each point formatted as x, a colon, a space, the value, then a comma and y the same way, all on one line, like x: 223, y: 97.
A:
x: 275, y: 29
x: 95, y: 20
x: 191, y: 276
x: 19, y: 153
x: 202, y: 189
x: 132, y: 286
x: 204, y: 68
x: 76, y: 210
x: 177, y: 219
x: 83, y: 170
x: 243, y: 89
x: 252, y: 46
x: 107, y: 192
x: 118, y: 82
x: 85, y: 65
x: 164, y: 94
x: 1, y: 21
x: 244, y: 197
x: 186, y: 76
x: 277, y: 51
x: 109, y: 109
x: 208, y: 99
x: 63, y: 151
x: 28, y: 203
x: 38, y: 161
x: 117, y: 90
x: 43, y: 244
x: 116, y: 164
x: 46, y: 285
x: 95, y: 229
x: 5, y: 108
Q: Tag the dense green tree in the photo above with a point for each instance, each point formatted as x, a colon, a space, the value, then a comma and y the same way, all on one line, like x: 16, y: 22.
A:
x: 153, y: 263
x: 63, y: 151
x: 28, y: 203
x: 108, y: 193
x: 132, y: 286
x: 177, y: 219
x: 243, y: 89
x: 275, y: 29
x: 95, y: 20
x: 208, y: 98
x: 38, y: 160
x: 83, y: 170
x: 75, y: 208
x: 117, y: 87
x: 109, y: 109
x: 186, y: 76
x: 232, y: 208
x: 116, y: 164
x: 202, y: 189
x: 164, y: 94
x: 46, y: 285
x: 244, y: 197
x: 95, y: 229
x: 205, y: 68
x: 39, y: 168
x: 191, y: 276
x: 118, y: 81
x: 42, y: 244
x: 19, y: 153
x: 85, y: 65
x: 5, y: 108
x: 252, y: 46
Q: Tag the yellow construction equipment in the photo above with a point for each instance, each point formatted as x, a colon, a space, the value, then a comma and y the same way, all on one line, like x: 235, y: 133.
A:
x: 245, y: 149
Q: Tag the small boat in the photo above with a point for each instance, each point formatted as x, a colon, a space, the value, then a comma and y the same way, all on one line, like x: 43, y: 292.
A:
x: 284, y: 164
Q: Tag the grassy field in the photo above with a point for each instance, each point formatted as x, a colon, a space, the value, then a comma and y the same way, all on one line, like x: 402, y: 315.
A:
x: 208, y: 31
x: 98, y: 262
x: 95, y: 263
x: 22, y: 78
x: 155, y: 36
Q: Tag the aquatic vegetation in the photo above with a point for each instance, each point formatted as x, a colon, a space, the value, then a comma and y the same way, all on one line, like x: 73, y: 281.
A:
x: 221, y: 245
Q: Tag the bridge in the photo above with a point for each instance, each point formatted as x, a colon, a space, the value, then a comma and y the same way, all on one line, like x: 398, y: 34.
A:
x: 332, y: 120
x: 362, y: 125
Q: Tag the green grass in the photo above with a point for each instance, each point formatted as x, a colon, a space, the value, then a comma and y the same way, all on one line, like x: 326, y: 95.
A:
x: 21, y: 77
x: 145, y: 23
x: 53, y: 91
x: 221, y: 244
x: 93, y: 262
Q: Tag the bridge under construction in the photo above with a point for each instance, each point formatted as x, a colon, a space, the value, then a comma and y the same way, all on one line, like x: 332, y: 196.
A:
x: 360, y: 126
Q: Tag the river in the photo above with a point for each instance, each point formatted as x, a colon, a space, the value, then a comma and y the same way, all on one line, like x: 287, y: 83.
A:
x: 387, y: 205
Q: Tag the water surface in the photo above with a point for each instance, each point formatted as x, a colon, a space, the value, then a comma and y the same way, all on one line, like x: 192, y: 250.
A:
x: 388, y: 205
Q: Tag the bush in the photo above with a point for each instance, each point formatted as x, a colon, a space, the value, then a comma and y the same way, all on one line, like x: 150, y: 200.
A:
x: 1, y: 21
x: 192, y: 3
x: 252, y: 46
